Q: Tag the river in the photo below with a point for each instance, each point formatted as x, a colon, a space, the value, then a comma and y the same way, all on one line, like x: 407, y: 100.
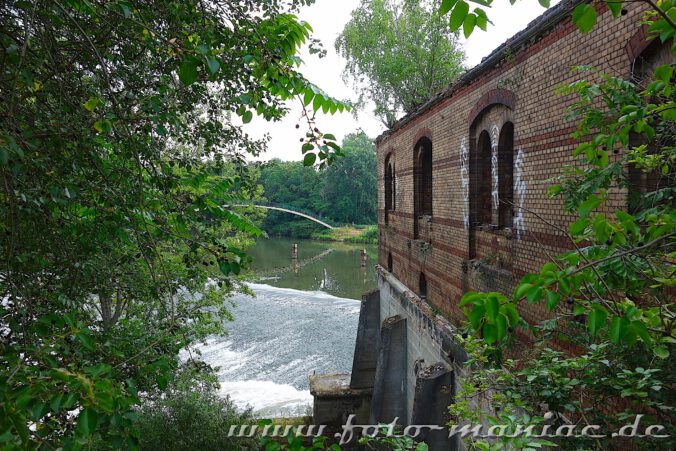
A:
x: 302, y: 319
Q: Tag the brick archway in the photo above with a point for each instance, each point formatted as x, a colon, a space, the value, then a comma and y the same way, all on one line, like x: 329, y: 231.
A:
x: 495, y: 96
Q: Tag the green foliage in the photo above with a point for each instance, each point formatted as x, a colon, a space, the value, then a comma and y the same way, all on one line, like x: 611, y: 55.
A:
x: 191, y: 415
x: 350, y: 184
x: 344, y: 192
x: 120, y: 147
x: 617, y: 282
x: 399, y: 54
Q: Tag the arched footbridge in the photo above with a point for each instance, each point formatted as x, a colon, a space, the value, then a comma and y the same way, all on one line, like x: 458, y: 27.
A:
x: 291, y: 210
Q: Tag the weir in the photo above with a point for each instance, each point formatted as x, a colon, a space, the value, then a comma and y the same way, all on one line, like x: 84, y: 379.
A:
x: 404, y: 366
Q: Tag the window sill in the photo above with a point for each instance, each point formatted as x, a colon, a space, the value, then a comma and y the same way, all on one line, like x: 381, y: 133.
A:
x: 506, y: 232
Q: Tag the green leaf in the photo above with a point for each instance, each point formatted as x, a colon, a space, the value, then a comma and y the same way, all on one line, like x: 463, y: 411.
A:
x: 596, y: 319
x: 162, y: 381
x: 534, y: 294
x: 512, y: 314
x: 86, y: 340
x: 458, y: 15
x: 642, y: 331
x: 92, y: 103
x: 615, y: 7
x: 476, y: 316
x: 490, y: 333
x: 309, y: 159
x: 103, y: 126
x: 213, y: 65
x: 664, y: 73
x: 86, y: 421
x: 618, y: 328
x: 309, y: 95
x: 661, y: 351
x: 317, y: 102
x: 588, y: 205
x: 40, y: 410
x: 584, y: 17
x: 247, y: 116
x: 446, y: 6
x: 501, y: 325
x: 468, y: 25
x: 492, y: 307
x: 187, y: 72
x: 553, y: 299
x: 544, y: 3
x: 470, y: 298
x: 521, y: 290
x: 307, y: 147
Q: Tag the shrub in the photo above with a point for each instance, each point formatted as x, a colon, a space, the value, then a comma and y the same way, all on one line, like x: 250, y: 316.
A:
x: 191, y: 415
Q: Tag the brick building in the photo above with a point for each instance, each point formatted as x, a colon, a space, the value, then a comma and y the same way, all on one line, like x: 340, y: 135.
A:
x: 463, y: 180
x: 463, y: 205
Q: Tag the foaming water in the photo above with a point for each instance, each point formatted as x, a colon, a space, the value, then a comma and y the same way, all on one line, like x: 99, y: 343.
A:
x: 277, y: 339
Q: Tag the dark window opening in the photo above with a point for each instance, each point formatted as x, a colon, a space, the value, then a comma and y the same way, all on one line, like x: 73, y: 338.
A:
x: 656, y: 54
x: 389, y: 262
x: 389, y: 187
x: 506, y: 176
x: 422, y: 182
x: 422, y: 286
x: 423, y: 178
x: 646, y: 188
x: 483, y: 173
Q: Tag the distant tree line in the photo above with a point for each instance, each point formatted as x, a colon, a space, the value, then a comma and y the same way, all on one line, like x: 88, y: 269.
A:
x: 344, y: 192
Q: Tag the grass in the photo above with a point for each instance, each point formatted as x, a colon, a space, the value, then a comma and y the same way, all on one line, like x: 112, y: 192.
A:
x: 349, y: 234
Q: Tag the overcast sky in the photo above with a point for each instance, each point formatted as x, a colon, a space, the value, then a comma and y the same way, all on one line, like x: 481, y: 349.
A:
x: 328, y: 17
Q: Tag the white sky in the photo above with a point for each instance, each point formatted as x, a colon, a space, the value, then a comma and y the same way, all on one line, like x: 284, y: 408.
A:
x: 328, y: 17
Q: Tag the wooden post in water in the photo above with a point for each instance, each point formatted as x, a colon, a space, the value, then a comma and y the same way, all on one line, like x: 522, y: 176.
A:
x: 294, y: 257
x: 364, y: 257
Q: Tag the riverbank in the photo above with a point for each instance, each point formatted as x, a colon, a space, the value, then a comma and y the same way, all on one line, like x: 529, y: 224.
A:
x: 349, y: 234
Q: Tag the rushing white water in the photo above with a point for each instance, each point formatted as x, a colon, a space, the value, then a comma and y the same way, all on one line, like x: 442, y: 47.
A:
x: 276, y: 341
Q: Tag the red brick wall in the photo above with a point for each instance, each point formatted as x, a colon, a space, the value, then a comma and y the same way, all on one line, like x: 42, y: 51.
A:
x: 519, y: 89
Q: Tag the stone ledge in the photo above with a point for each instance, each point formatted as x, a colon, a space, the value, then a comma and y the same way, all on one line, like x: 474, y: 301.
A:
x: 335, y: 386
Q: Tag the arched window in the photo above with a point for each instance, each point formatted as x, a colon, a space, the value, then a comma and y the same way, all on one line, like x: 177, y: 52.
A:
x: 641, y: 182
x: 483, y: 198
x: 389, y: 187
x: 506, y: 176
x: 422, y: 183
x: 389, y: 262
x: 422, y: 286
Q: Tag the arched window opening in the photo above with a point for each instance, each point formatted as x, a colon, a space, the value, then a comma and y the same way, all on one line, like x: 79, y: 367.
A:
x: 389, y: 262
x: 423, y: 177
x: 506, y: 176
x: 389, y: 187
x: 644, y: 187
x: 422, y: 186
x: 422, y: 286
x: 483, y: 173
x: 656, y: 54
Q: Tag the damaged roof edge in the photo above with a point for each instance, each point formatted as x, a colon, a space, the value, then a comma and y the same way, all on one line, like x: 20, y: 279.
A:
x: 538, y: 27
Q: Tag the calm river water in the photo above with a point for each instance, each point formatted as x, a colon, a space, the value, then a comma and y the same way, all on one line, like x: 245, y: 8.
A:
x: 302, y: 319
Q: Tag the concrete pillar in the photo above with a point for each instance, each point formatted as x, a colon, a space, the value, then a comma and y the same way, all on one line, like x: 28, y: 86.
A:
x: 368, y: 337
x: 389, y: 392
x: 433, y: 394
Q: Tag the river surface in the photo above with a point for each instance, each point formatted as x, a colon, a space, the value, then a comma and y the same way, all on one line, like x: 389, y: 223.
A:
x: 303, y: 319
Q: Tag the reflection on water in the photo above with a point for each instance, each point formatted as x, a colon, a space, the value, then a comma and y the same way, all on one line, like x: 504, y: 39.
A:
x: 300, y: 322
x: 334, y: 268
